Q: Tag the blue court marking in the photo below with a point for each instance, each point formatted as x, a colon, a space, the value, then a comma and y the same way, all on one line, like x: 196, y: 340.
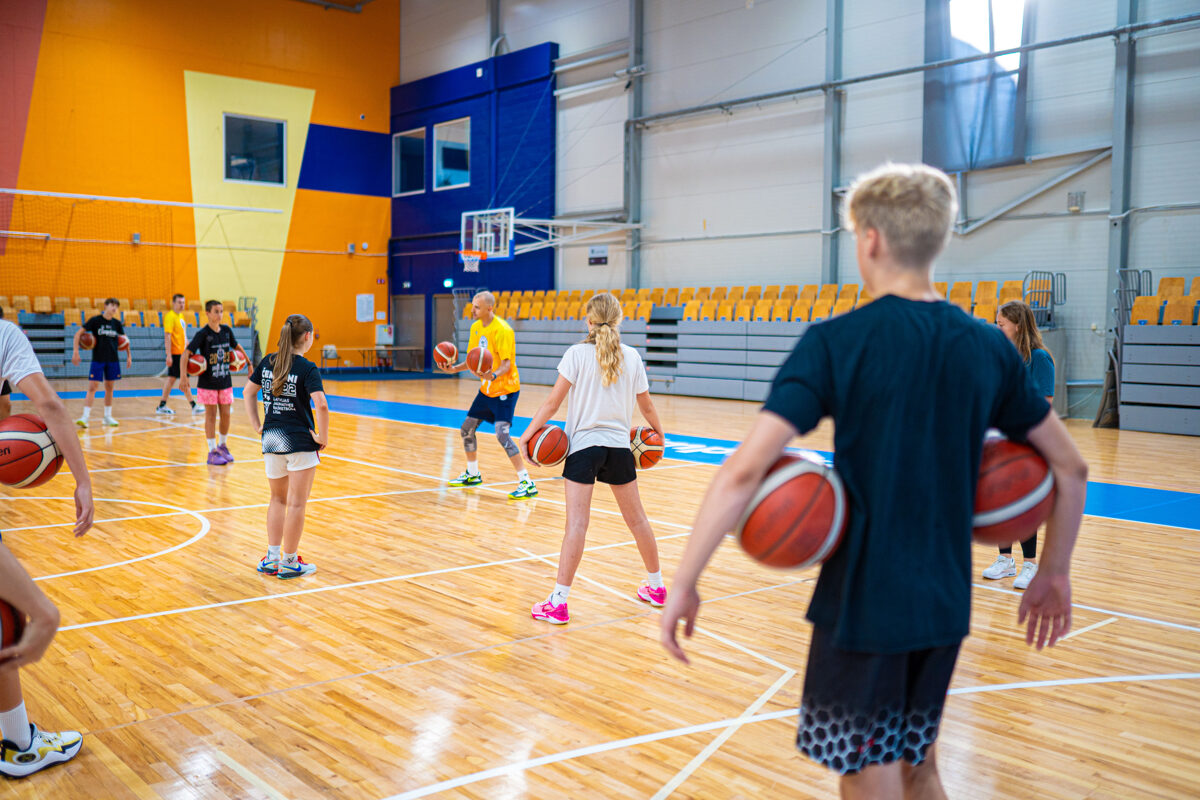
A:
x: 1111, y: 500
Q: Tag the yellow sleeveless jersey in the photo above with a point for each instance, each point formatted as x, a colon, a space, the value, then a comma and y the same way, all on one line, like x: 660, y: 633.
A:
x: 498, y: 339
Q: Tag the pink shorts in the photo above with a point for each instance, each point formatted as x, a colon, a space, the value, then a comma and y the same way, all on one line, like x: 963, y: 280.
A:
x: 215, y: 397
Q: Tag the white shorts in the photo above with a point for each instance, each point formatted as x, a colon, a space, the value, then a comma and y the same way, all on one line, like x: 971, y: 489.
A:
x: 280, y: 464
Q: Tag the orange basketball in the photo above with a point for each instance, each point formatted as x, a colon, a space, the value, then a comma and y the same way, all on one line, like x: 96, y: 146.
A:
x: 445, y: 354
x: 1015, y: 493
x: 197, y: 364
x: 479, y: 360
x: 123, y: 343
x: 28, y: 455
x: 87, y: 340
x: 12, y: 624
x: 237, y: 361
x: 798, y: 515
x: 647, y: 446
x: 548, y: 446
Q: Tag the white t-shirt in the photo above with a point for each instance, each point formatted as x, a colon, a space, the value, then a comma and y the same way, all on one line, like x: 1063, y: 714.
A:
x: 599, y: 415
x: 17, y: 359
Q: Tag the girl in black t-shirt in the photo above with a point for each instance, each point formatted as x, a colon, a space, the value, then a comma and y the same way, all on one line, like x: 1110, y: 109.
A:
x: 214, y: 386
x: 291, y: 437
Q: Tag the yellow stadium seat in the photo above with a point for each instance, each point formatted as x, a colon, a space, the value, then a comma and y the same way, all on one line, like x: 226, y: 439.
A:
x: 743, y: 312
x: 940, y: 287
x: 670, y: 297
x: 656, y: 296
x: 864, y: 297
x: 588, y: 294
x: 809, y: 291
x: 1008, y: 294
x: 718, y: 294
x: 42, y: 305
x: 753, y: 294
x: 691, y: 310
x: 725, y: 312
x: 72, y: 316
x: 762, y: 311
x: 559, y: 311
x: 572, y: 309
x: 736, y: 294
x: 686, y: 295
x: 801, y: 309
x: 1170, y: 287
x: 708, y: 310
x: 821, y: 309
x: 140, y: 305
x: 125, y: 304
x: 1180, y: 310
x: 770, y: 293
x: 523, y: 310
x: 643, y: 311
x: 158, y: 305
x: 790, y: 292
x: 704, y: 294
x: 21, y: 303
x: 82, y: 302
x: 986, y: 292
x: 643, y: 294
x: 959, y: 290
x: 10, y: 313
x: 1145, y: 310
x: 986, y: 311
x: 241, y: 319
x: 1195, y: 290
x: 536, y: 309
x: 781, y: 311
x: 962, y: 302
x: 828, y: 292
x: 548, y: 310
x: 843, y: 305
x: 194, y: 305
x: 466, y: 311
x: 848, y: 290
x: 62, y: 303
x: 130, y: 318
x: 627, y: 295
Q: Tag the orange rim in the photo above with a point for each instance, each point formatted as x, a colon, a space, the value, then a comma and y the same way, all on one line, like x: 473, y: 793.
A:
x: 480, y: 254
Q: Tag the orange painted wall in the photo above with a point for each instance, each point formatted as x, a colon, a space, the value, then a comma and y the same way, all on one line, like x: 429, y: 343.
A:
x: 108, y: 116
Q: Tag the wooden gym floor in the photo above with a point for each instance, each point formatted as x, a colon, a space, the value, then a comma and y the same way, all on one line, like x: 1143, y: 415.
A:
x: 408, y: 665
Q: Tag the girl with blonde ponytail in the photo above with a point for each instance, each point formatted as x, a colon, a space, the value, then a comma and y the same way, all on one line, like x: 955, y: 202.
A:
x: 601, y: 380
x: 291, y: 439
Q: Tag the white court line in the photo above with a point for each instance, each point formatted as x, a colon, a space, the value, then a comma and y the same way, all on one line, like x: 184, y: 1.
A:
x: 247, y: 775
x: 604, y: 747
x: 1092, y: 627
x: 1109, y: 611
x: 683, y: 774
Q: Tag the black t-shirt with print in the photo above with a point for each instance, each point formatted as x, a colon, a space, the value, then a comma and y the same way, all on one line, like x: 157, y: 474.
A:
x: 216, y: 347
x: 288, y: 422
x: 106, y: 332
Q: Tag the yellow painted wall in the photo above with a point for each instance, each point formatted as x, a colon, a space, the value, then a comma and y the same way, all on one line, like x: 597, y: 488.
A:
x: 110, y: 115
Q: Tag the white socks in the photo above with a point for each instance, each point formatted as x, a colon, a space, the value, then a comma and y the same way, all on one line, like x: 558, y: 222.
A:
x: 212, y: 444
x: 472, y: 467
x: 108, y: 412
x: 655, y: 579
x: 523, y: 475
x: 559, y: 595
x: 14, y: 725
x: 287, y: 558
x: 222, y: 438
x: 273, y: 552
x: 87, y: 412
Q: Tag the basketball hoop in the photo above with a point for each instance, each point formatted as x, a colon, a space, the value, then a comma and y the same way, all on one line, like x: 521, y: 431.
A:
x: 471, y: 259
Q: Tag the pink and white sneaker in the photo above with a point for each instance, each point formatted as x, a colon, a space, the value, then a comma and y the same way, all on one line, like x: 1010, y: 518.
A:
x: 655, y: 597
x: 554, y: 614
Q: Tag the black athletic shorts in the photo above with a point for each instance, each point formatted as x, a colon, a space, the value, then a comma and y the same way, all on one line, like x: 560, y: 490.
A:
x: 859, y: 709
x: 173, y: 370
x: 5, y: 389
x: 611, y: 465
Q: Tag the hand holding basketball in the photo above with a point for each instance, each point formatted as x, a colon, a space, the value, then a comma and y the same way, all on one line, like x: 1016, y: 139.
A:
x: 445, y: 354
x: 25, y: 640
x: 87, y: 340
x: 123, y: 343
x: 647, y: 446
x: 237, y: 361
x: 1015, y: 492
x: 797, y: 516
x: 28, y: 455
x: 479, y: 361
x: 196, y: 365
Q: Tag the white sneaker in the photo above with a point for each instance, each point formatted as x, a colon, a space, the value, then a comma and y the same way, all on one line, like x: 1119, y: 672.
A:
x: 45, y: 749
x: 1003, y: 567
x: 197, y: 410
x: 1027, y: 572
x: 165, y: 410
x: 112, y: 423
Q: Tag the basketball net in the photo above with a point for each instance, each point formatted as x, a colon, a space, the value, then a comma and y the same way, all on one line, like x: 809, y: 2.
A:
x: 471, y: 259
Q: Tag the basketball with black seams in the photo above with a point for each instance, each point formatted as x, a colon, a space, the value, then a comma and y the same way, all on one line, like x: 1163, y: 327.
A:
x: 548, y: 446
x: 237, y: 361
x: 12, y: 624
x: 28, y: 455
x: 445, y: 354
x: 87, y: 340
x: 647, y: 446
x: 123, y: 343
x: 196, y: 365
x: 797, y: 516
x: 1014, y: 495
x: 479, y: 360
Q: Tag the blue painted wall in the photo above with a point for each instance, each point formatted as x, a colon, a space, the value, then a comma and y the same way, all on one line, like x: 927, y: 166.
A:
x: 346, y: 160
x: 510, y: 102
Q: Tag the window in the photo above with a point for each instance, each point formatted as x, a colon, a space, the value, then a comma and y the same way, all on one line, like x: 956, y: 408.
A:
x: 254, y: 149
x: 408, y: 162
x: 452, y: 154
x: 975, y: 112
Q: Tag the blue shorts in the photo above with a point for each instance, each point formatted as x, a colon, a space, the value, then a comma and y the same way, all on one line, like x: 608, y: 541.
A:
x: 105, y: 371
x: 494, y: 409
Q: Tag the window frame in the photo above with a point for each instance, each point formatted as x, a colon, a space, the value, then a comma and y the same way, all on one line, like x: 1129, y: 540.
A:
x: 225, y: 115
x: 396, y: 162
x: 436, y: 154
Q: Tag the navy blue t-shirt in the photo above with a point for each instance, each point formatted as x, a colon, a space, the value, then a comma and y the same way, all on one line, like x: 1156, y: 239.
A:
x: 912, y: 388
x: 1041, y: 372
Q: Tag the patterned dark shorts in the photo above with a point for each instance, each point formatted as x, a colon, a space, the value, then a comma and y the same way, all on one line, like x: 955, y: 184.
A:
x: 860, y: 709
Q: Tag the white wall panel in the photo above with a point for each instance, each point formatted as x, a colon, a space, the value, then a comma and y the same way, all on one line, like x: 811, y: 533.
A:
x: 437, y: 35
x: 591, y: 148
x: 575, y: 24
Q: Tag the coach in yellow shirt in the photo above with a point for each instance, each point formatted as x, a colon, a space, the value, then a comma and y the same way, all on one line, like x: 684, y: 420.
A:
x: 497, y: 399
x: 175, y: 339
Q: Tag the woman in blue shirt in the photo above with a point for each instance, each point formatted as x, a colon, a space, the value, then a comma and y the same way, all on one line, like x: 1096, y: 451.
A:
x: 1016, y: 320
